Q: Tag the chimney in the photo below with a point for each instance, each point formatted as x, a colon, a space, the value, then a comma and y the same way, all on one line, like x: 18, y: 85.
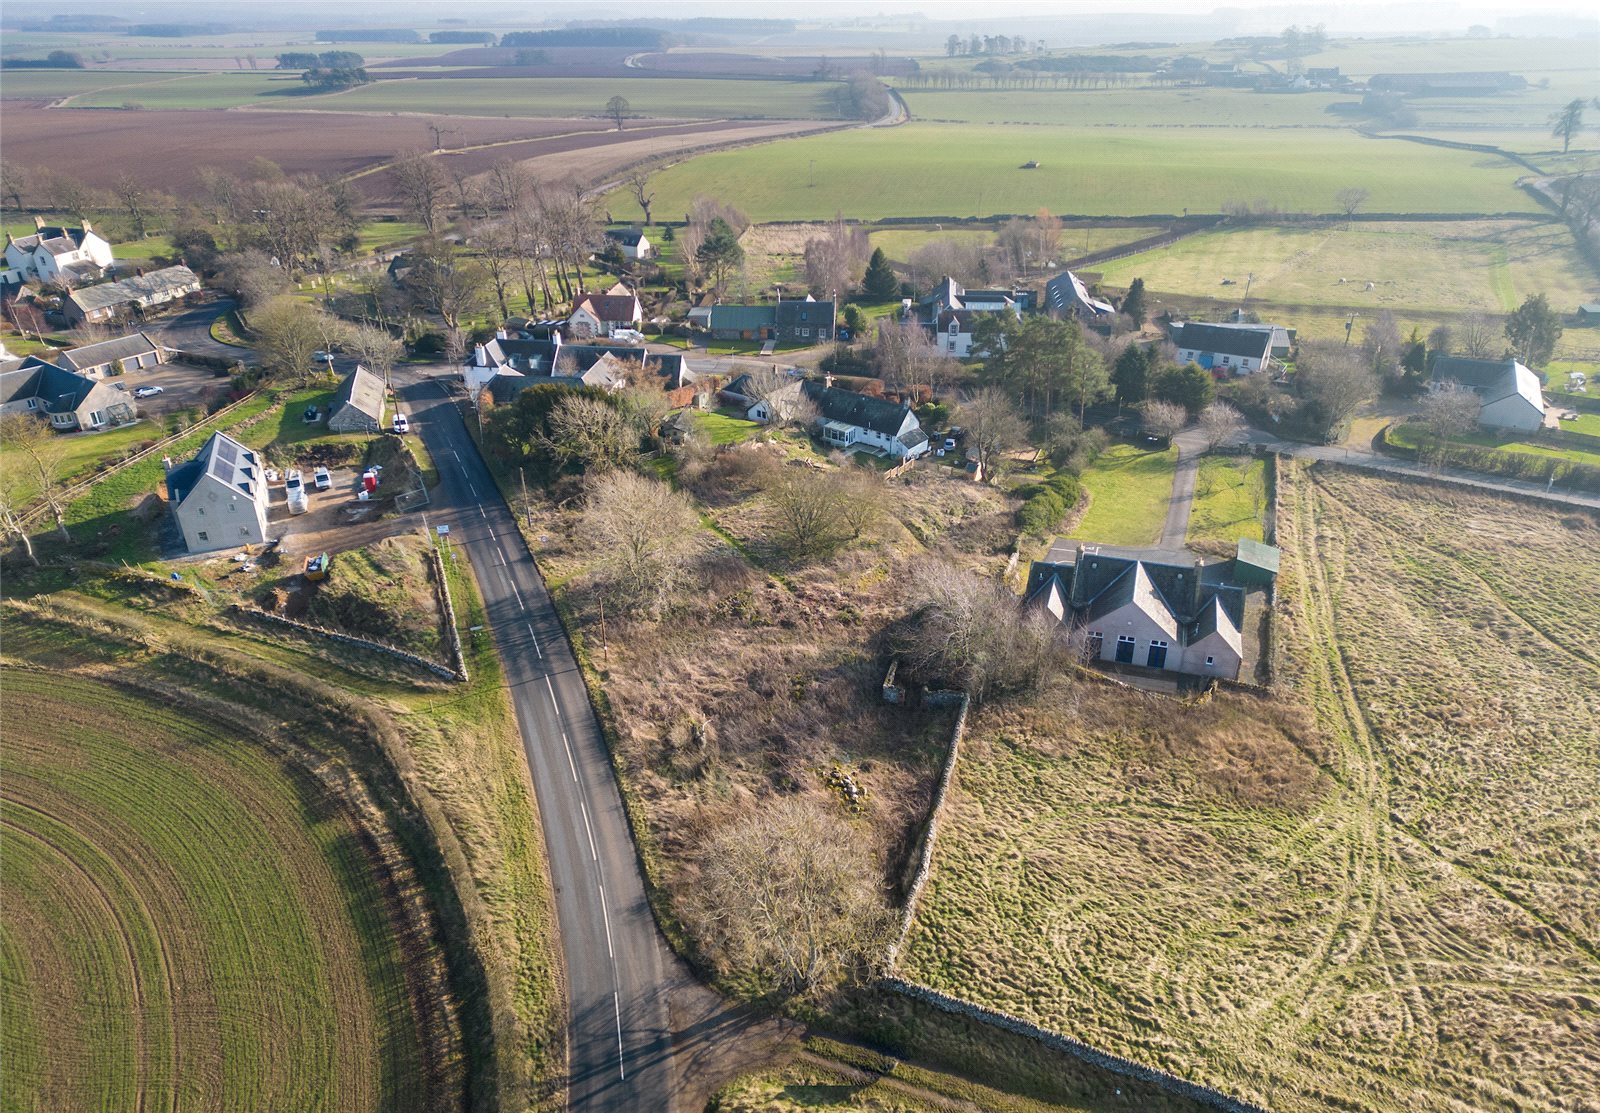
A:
x: 166, y: 463
x: 38, y: 224
x: 87, y: 227
x: 500, y: 334
x: 480, y: 356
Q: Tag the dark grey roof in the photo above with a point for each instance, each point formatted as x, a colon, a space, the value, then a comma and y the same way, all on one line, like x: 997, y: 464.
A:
x: 804, y: 311
x: 743, y: 317
x: 1100, y: 580
x: 59, y: 390
x: 1066, y: 290
x: 122, y: 347
x: 1479, y: 374
x: 878, y: 414
x: 222, y: 458
x: 361, y: 389
x: 628, y: 237
x: 1226, y: 341
x: 169, y: 280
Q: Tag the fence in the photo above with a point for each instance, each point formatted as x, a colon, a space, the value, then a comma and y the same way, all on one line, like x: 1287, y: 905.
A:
x: 394, y: 651
x: 930, y: 833
x: 452, y: 632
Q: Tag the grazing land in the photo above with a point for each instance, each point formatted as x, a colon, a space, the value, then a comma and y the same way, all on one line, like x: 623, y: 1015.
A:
x: 1375, y: 892
x: 1120, y: 108
x: 970, y: 170
x: 195, y: 920
x: 1128, y: 488
x: 1230, y: 494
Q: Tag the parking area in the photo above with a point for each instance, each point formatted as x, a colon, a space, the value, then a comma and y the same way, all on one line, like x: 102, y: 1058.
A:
x: 183, y: 385
x: 337, y: 519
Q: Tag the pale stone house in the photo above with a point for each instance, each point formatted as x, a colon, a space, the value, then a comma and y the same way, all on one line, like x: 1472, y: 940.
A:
x: 70, y: 256
x: 220, y: 497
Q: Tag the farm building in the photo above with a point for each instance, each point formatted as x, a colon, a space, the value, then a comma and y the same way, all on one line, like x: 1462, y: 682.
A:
x: 1065, y: 295
x: 70, y: 256
x: 133, y: 352
x: 1508, y: 393
x: 358, y: 405
x: 1157, y: 610
x: 142, y: 292
x: 220, y: 497
x: 1589, y: 313
x: 1224, y: 349
x: 633, y: 243
x: 68, y: 400
x: 602, y: 314
x: 797, y: 321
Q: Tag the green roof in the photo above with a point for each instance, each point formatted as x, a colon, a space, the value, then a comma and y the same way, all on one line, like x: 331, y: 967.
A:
x: 1258, y: 555
x: 743, y: 317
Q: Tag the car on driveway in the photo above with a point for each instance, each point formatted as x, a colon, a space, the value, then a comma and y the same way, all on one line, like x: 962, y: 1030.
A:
x: 148, y: 391
x: 294, y: 490
x: 401, y: 424
x: 322, y: 479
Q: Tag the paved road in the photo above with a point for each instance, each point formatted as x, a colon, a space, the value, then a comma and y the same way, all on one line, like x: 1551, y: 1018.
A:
x: 1191, y: 445
x: 190, y: 331
x: 619, y: 972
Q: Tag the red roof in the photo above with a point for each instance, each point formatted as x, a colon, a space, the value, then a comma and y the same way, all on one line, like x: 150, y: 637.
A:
x: 610, y: 307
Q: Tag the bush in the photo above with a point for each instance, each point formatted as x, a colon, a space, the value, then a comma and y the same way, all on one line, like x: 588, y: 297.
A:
x: 1047, y: 503
x: 429, y: 344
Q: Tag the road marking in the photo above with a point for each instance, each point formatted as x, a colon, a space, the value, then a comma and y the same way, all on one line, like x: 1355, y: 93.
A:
x: 492, y: 537
x: 483, y: 513
x: 473, y: 489
x: 551, y: 689
x: 570, y: 764
x: 535, y: 638
x: 520, y: 603
x: 501, y: 554
x: 622, y: 1068
x: 595, y: 854
x: 456, y: 454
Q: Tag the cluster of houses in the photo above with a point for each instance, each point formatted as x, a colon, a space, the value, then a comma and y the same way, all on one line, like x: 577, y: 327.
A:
x: 75, y: 390
x: 79, y: 260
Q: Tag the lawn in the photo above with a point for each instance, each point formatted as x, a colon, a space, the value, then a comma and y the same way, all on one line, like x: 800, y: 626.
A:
x: 1583, y: 423
x: 191, y: 919
x: 80, y: 452
x: 1372, y: 891
x: 965, y: 170
x: 725, y: 427
x: 1230, y: 494
x: 1128, y: 489
x: 691, y: 98
x: 382, y: 235
x: 1403, y: 436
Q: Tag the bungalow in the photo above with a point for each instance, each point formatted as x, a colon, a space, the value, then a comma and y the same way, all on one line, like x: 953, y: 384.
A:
x: 556, y: 363
x: 219, y: 498
x: 849, y: 420
x: 68, y: 400
x: 797, y: 321
x: 133, y: 352
x: 70, y: 256
x: 1224, y: 349
x: 632, y: 242
x: 146, y: 291
x: 1157, y: 610
x: 358, y: 405
x: 1508, y: 393
x: 602, y: 314
x: 1065, y: 295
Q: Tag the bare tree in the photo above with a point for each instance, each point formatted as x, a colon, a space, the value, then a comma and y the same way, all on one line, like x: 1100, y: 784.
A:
x: 639, y: 186
x: 1350, y: 199
x: 375, y: 350
x: 444, y: 282
x: 904, y: 356
x: 42, y: 451
x: 498, y: 246
x: 645, y: 534
x: 1334, y: 381
x: 617, y: 108
x: 1448, y: 411
x: 287, y: 333
x: 1220, y: 423
x: 14, y: 181
x: 1477, y: 338
x: 592, y: 433
x: 994, y: 428
x: 783, y: 892
x: 836, y: 260
x: 423, y: 188
x: 690, y: 241
x: 808, y: 513
x: 11, y: 522
x: 1162, y: 419
x: 131, y: 195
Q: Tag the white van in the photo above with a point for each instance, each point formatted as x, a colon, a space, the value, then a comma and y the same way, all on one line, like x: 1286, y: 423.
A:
x: 294, y: 490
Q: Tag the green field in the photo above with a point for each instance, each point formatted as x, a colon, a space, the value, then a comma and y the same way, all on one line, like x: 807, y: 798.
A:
x: 51, y: 84
x: 1124, y: 107
x: 1404, y: 435
x: 899, y: 244
x: 1230, y: 494
x: 80, y: 453
x: 205, y: 90
x: 966, y: 170
x: 1128, y: 489
x: 191, y: 922
x: 1414, y: 267
x: 694, y: 98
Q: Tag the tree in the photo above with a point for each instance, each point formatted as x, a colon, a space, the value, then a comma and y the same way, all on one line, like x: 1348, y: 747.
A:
x: 720, y: 254
x: 591, y: 433
x: 904, y: 356
x: 14, y: 181
x: 809, y: 514
x: 1133, y: 304
x: 423, y: 187
x: 1566, y: 123
x: 952, y: 46
x: 1475, y: 337
x: 1163, y: 419
x: 835, y: 260
x: 1533, y: 329
x: 617, y: 108
x: 783, y: 893
x: 32, y: 440
x: 645, y: 533
x: 287, y: 333
x: 375, y: 349
x: 1130, y: 374
x: 1350, y: 199
x: 994, y: 427
x: 1190, y: 386
x: 1382, y: 348
x: 880, y: 282
x: 445, y: 282
x: 1334, y: 381
x: 1220, y: 423
x: 11, y: 522
x: 1414, y: 361
x: 1449, y: 411
x: 639, y: 186
x: 131, y: 194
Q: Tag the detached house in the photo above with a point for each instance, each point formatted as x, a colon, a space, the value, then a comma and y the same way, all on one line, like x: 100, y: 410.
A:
x: 129, y: 296
x: 511, y: 365
x: 68, y: 400
x: 358, y: 405
x: 602, y: 314
x: 797, y: 321
x: 220, y: 497
x: 845, y: 420
x: 1508, y: 393
x: 1225, y: 349
x: 70, y: 256
x: 632, y: 242
x: 133, y: 352
x: 1065, y: 295
x: 952, y: 312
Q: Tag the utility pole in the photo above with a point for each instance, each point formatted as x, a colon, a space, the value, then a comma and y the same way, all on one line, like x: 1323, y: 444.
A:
x: 1349, y: 326
x: 527, y: 507
x: 1248, y: 279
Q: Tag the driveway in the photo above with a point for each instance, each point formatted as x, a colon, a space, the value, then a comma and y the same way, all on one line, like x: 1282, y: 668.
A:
x: 182, y: 385
x: 190, y: 331
x: 1175, y: 532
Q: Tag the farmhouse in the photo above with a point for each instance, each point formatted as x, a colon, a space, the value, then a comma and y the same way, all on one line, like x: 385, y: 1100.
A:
x: 220, y: 497
x: 70, y: 256
x: 133, y: 352
x: 602, y: 314
x: 951, y: 313
x: 631, y: 241
x: 1065, y: 295
x: 1157, y: 610
x: 357, y: 407
x: 68, y: 400
x: 1508, y: 393
x: 797, y: 321
x: 142, y: 292
x: 952, y: 332
x: 1224, y: 349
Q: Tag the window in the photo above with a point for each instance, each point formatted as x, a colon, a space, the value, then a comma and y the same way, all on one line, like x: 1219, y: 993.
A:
x: 200, y: 510
x: 33, y: 403
x: 244, y: 531
x: 805, y: 332
x: 1157, y: 658
x: 202, y: 536
x: 1210, y: 661
x: 1227, y: 359
x: 97, y: 417
x: 1125, y: 649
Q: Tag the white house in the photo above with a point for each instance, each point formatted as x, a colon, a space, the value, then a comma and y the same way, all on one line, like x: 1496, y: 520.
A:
x: 130, y: 295
x: 1224, y: 349
x: 133, y: 352
x: 849, y: 420
x: 220, y: 497
x: 71, y: 256
x: 632, y: 242
x: 602, y: 314
x: 1508, y: 392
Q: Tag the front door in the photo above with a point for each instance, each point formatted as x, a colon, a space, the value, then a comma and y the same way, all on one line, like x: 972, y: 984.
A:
x: 1124, y: 649
x: 1158, y: 655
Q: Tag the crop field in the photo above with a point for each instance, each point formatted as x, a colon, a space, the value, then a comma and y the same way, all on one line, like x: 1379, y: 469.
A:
x: 1374, y: 893
x: 1425, y: 266
x: 1230, y: 494
x: 1128, y: 488
x: 201, y: 90
x: 191, y: 922
x: 50, y: 85
x: 970, y: 170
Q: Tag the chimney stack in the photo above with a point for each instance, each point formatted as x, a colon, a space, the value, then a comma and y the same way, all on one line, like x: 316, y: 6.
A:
x: 87, y: 227
x: 500, y: 334
x: 480, y: 356
x: 38, y: 224
x: 166, y: 463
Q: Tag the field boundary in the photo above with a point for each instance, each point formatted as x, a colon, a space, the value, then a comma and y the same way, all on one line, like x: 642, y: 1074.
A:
x: 447, y: 607
x: 930, y: 831
x: 444, y: 671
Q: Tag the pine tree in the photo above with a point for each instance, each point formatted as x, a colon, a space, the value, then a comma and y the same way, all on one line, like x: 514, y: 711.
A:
x: 1133, y: 304
x: 880, y: 283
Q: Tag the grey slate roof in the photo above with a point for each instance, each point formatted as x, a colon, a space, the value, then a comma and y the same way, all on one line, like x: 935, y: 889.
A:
x: 804, y: 312
x: 58, y: 389
x: 224, y: 459
x: 140, y: 288
x: 1491, y: 379
x: 122, y: 347
x: 361, y: 389
x: 878, y: 414
x: 1175, y: 592
x: 1226, y: 340
x: 1066, y: 290
x: 628, y: 237
x: 744, y: 318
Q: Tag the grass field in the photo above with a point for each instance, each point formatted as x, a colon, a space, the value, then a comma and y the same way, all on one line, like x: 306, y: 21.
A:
x: 1230, y: 494
x: 1402, y: 435
x: 1484, y: 265
x: 1128, y: 489
x: 1120, y: 108
x: 201, y: 90
x: 80, y: 453
x: 1392, y: 909
x: 53, y: 84
x: 967, y: 170
x: 694, y: 98
x: 190, y: 921
x: 899, y: 244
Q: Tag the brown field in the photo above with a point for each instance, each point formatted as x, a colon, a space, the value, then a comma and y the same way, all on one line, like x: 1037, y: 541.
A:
x: 1393, y: 909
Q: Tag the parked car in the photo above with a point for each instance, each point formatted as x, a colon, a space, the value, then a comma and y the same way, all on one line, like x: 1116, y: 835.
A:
x: 401, y: 424
x: 148, y: 391
x: 294, y: 489
x: 322, y: 479
x: 627, y: 334
x: 320, y: 356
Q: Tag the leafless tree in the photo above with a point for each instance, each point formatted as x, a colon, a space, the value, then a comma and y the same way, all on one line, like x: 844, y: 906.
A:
x: 1382, y: 347
x: 287, y: 333
x: 1220, y: 423
x: 994, y: 428
x: 423, y: 188
x: 592, y: 433
x: 1448, y: 411
x: 1334, y: 381
x: 375, y: 349
x: 617, y: 108
x: 131, y: 194
x: 1162, y: 419
x: 808, y: 513
x: 645, y: 534
x: 784, y: 892
x: 27, y: 438
x: 962, y: 260
x: 14, y: 181
x: 11, y: 522
x: 904, y: 356
x: 498, y: 248
x: 703, y: 210
x: 443, y: 281
x: 836, y: 259
x: 1477, y: 338
x: 1350, y: 199
x: 690, y: 240
x: 639, y: 186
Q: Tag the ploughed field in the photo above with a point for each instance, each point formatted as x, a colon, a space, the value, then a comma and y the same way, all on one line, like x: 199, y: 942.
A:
x: 1376, y: 891
x: 194, y: 921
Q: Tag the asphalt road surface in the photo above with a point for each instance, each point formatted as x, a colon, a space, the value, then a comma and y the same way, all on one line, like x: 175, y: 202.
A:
x: 619, y: 972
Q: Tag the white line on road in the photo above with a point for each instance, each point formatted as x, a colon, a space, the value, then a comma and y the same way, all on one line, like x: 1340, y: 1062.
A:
x: 492, y: 537
x: 535, y: 638
x: 501, y: 554
x: 595, y: 854
x: 570, y: 764
x: 473, y: 489
x: 551, y: 689
x: 622, y: 1068
x: 456, y: 454
x: 520, y: 603
x: 483, y: 513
